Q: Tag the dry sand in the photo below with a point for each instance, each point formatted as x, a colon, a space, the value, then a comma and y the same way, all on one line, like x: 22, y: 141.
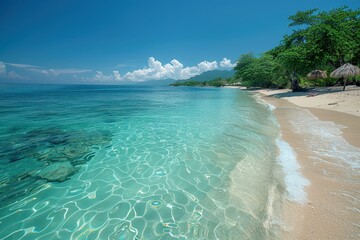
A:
x: 329, y: 98
x: 333, y: 208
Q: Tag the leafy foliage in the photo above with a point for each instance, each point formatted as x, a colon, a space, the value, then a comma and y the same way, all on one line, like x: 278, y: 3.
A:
x: 320, y: 40
x: 217, y: 82
x: 261, y: 71
x: 328, y: 39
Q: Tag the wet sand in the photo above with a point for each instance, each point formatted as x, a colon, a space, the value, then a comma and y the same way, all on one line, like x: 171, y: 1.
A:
x: 333, y: 208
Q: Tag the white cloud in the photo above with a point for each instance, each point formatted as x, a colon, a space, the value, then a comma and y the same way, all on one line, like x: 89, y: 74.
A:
x: 69, y: 71
x: 2, y: 68
x: 48, y: 71
x: 39, y: 70
x: 207, y: 66
x: 154, y: 70
x: 226, y: 64
x: 15, y: 75
x: 173, y: 70
x: 99, y: 76
x: 117, y: 75
x: 59, y: 71
x: 20, y: 65
x: 11, y: 74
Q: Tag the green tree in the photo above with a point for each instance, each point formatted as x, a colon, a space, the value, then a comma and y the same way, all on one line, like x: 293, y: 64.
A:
x: 321, y: 40
x: 260, y: 71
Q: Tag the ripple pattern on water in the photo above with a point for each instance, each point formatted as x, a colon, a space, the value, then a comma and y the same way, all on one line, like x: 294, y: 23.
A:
x: 181, y: 164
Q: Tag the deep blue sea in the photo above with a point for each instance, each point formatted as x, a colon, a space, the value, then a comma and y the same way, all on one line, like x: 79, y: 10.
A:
x: 137, y: 162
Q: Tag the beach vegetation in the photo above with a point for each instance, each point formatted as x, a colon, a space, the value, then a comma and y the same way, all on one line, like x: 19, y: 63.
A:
x: 262, y: 71
x: 217, y: 82
x: 320, y: 40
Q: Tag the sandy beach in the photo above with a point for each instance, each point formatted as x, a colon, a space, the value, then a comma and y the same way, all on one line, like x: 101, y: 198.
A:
x: 327, y: 98
x: 323, y: 127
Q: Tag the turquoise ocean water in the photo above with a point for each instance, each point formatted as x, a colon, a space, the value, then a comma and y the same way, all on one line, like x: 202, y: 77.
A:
x: 137, y: 162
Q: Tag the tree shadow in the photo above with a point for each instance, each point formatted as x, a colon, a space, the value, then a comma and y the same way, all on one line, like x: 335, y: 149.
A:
x: 312, y: 92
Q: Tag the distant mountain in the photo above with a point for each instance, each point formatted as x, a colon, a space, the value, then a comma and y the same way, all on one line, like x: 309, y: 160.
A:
x: 206, y: 76
x: 211, y: 75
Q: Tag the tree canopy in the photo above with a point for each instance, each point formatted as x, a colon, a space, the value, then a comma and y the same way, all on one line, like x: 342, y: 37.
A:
x: 260, y: 71
x: 320, y: 40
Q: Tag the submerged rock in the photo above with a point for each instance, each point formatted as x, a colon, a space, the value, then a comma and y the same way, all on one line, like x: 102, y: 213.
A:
x: 57, y: 172
x: 44, y: 155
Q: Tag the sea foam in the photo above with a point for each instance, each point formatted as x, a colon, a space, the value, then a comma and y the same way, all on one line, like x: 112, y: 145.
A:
x: 295, y: 182
x: 263, y: 102
x: 271, y: 107
x: 326, y: 140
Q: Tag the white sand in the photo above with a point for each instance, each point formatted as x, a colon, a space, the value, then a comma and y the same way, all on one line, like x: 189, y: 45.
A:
x: 334, y: 200
x: 329, y: 98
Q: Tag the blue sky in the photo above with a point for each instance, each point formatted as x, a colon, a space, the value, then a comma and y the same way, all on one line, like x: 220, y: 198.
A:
x: 101, y: 41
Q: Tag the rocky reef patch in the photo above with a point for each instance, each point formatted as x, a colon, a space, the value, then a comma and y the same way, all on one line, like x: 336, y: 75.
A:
x: 34, y: 157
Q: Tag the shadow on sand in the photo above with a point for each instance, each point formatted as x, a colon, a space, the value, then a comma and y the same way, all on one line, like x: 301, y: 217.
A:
x: 312, y: 92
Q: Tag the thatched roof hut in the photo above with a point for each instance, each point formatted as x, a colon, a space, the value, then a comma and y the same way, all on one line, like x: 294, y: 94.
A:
x: 317, y: 74
x: 345, y: 71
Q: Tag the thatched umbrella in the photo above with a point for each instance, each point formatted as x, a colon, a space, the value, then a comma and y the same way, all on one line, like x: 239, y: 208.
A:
x: 316, y: 74
x: 345, y: 71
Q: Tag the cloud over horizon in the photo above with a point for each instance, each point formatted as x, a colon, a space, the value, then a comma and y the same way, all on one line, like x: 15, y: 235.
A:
x: 174, y: 70
x: 32, y: 73
x: 11, y: 74
x: 226, y: 64
x: 154, y: 70
x: 2, y: 68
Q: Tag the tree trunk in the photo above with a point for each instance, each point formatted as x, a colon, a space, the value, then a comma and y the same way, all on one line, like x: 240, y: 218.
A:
x: 344, y: 84
x: 295, y: 83
x: 340, y: 82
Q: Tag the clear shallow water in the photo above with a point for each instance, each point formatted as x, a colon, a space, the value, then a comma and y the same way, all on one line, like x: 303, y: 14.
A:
x: 137, y: 163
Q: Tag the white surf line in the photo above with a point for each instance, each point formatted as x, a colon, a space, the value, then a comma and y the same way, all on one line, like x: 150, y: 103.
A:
x: 295, y: 182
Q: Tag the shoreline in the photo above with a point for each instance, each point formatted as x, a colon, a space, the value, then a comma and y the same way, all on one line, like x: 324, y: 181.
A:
x: 323, y: 98
x: 333, y: 195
